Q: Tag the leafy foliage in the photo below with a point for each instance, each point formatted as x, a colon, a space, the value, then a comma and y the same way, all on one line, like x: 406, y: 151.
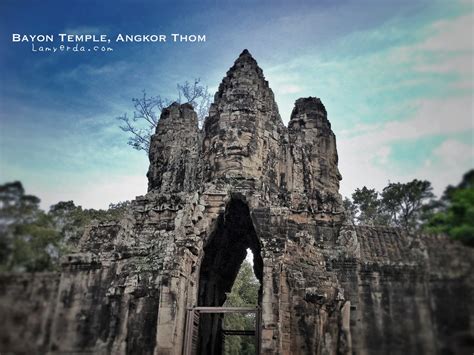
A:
x: 28, y: 240
x: 70, y: 220
x: 456, y: 215
x: 350, y: 208
x: 244, y: 293
x: 404, y: 205
x: 413, y: 206
x: 407, y: 203
x: 147, y: 109
x: 367, y: 205
x: 33, y: 240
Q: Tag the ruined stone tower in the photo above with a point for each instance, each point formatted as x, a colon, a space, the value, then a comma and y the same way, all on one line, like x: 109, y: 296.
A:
x: 245, y: 181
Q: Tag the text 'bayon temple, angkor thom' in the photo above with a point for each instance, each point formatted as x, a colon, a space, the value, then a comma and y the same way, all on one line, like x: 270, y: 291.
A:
x: 142, y: 285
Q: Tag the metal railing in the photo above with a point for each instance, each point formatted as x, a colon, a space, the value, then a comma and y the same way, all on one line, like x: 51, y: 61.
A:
x: 191, y: 338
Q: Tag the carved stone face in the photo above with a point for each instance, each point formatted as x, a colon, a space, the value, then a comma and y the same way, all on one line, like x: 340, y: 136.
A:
x: 231, y: 148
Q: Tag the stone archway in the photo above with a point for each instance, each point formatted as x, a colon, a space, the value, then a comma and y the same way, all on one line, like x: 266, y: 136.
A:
x: 223, y: 256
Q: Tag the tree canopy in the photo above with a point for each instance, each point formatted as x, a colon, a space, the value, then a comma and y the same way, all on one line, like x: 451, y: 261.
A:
x: 34, y: 240
x: 405, y: 204
x: 28, y: 239
x: 244, y: 293
x: 455, y: 216
x: 413, y: 207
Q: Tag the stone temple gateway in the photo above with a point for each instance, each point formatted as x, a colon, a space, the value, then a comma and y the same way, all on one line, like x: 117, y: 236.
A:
x: 245, y: 181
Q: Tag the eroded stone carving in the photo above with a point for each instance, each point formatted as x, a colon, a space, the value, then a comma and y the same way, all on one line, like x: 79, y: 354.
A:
x: 245, y: 181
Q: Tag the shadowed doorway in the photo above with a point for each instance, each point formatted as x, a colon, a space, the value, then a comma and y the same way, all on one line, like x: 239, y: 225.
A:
x: 223, y: 256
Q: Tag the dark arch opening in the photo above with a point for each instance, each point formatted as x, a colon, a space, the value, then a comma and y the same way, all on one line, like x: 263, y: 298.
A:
x: 223, y: 256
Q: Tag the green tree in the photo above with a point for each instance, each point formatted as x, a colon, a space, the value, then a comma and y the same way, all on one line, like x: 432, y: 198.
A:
x: 32, y: 240
x: 406, y: 203
x: 28, y: 239
x: 456, y: 216
x: 367, y: 205
x: 350, y: 208
x: 467, y: 182
x: 37, y: 246
x: 244, y: 293
x: 70, y: 220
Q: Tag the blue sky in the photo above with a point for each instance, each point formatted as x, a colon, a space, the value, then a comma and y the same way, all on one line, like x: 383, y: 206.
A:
x: 396, y: 78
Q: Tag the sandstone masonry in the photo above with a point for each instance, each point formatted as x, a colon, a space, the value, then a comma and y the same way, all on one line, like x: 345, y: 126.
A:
x: 245, y: 181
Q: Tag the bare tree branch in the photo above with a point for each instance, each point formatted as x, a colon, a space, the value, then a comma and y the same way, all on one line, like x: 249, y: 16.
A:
x: 148, y: 109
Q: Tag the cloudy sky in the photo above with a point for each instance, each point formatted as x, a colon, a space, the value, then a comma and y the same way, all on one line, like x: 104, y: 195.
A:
x: 396, y: 78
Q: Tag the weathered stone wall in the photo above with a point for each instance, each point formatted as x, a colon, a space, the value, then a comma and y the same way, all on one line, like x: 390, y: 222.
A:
x: 246, y: 181
x: 27, y: 306
x: 408, y: 294
x: 174, y: 150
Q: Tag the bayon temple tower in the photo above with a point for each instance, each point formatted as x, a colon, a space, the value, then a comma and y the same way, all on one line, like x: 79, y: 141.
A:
x: 155, y: 281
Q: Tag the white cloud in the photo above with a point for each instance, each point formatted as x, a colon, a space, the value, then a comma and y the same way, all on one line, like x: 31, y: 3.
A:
x: 431, y: 117
x: 454, y: 154
x: 450, y: 35
x: 451, y: 159
x: 92, y: 193
x: 87, y: 72
x: 460, y: 63
x: 446, y: 166
x: 365, y: 150
x: 448, y: 49
x: 85, y: 30
x: 288, y: 89
x: 364, y: 158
